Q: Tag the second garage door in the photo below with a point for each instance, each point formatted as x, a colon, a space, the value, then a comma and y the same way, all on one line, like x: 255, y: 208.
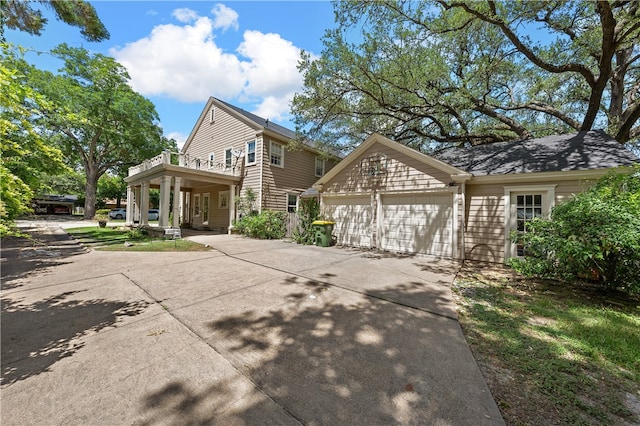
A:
x: 353, y: 217
x: 417, y: 223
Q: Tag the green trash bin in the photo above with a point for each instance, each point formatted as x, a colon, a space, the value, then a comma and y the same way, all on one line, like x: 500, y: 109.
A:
x: 323, y: 230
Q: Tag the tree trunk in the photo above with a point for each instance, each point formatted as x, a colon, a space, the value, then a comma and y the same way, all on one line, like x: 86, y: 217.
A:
x: 90, y: 193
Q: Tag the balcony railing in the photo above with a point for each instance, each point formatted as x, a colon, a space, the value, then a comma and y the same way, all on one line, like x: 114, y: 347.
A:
x: 183, y: 160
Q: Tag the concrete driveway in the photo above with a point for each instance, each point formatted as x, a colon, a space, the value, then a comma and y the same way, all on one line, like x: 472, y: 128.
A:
x: 252, y: 332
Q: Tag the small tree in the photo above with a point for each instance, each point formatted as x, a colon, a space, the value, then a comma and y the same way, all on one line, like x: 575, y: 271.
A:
x: 596, y: 233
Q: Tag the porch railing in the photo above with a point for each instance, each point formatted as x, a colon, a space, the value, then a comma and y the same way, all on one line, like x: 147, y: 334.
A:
x: 232, y: 167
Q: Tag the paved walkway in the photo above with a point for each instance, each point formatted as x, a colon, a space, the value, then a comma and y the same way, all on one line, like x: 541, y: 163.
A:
x: 252, y: 332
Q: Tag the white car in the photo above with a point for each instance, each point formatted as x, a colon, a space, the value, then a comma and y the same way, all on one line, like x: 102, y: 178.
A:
x: 118, y: 214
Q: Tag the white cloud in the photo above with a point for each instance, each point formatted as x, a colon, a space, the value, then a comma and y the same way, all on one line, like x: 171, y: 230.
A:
x: 225, y: 17
x: 185, y: 15
x: 275, y: 108
x: 184, y: 62
x: 179, y: 138
x: 181, y: 62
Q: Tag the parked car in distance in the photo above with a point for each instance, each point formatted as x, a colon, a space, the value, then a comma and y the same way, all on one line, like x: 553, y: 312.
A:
x: 118, y: 214
x: 154, y: 214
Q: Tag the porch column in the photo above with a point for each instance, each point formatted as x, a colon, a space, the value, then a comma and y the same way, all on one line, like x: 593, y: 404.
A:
x: 165, y: 191
x: 136, y: 204
x: 144, y: 204
x: 176, y: 202
x: 232, y: 206
x: 130, y: 204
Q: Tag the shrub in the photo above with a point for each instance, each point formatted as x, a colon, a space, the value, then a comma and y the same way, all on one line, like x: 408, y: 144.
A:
x: 308, y: 212
x: 596, y: 234
x: 136, y: 233
x: 268, y: 225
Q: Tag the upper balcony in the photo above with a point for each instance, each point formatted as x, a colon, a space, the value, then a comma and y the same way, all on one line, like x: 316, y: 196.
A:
x: 183, y: 160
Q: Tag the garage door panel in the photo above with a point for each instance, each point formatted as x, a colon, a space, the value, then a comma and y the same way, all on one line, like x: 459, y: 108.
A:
x: 419, y: 223
x: 353, y: 219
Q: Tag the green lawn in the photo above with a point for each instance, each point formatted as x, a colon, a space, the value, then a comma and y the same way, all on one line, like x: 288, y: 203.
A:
x: 113, y: 239
x: 552, y: 353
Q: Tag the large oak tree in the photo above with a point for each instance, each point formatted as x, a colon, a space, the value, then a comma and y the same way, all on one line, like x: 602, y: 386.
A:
x: 22, y: 15
x: 449, y: 72
x: 99, y: 122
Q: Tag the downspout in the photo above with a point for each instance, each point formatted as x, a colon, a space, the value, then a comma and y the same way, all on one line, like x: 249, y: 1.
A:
x: 464, y: 221
x: 260, y: 189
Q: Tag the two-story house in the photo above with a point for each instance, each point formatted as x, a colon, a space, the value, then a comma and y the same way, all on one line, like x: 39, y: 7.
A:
x: 228, y: 151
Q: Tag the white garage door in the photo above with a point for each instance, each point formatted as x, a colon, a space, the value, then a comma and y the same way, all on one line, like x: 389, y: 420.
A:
x: 417, y: 223
x: 353, y: 219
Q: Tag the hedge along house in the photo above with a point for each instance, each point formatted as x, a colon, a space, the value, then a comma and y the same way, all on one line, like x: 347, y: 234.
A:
x: 228, y: 151
x: 459, y: 203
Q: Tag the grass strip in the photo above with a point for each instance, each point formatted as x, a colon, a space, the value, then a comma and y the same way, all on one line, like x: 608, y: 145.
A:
x: 552, y: 353
x: 114, y: 238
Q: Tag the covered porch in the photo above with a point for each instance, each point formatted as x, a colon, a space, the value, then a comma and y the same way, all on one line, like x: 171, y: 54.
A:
x: 175, y: 173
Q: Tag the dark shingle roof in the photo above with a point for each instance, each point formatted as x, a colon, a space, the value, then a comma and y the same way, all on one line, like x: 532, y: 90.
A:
x: 578, y: 151
x: 281, y: 130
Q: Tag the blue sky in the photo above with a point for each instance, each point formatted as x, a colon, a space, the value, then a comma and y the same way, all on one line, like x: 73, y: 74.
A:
x: 180, y: 53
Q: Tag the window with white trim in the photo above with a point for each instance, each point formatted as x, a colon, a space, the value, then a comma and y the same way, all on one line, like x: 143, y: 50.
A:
x: 196, y: 205
x: 528, y: 207
x: 251, y: 152
x: 522, y: 205
x: 320, y: 164
x: 277, y: 154
x: 211, y: 161
x: 212, y: 115
x: 223, y: 199
x: 228, y: 157
x: 292, y: 203
x: 205, y: 209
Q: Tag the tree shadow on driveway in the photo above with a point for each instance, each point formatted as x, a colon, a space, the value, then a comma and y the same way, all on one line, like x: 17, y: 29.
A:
x: 333, y: 356
x: 36, y: 335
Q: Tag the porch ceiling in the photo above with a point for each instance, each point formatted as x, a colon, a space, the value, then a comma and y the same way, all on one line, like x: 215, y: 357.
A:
x: 190, y: 177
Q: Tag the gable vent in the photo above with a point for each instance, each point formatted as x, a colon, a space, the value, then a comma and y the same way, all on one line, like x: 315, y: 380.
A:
x: 212, y: 115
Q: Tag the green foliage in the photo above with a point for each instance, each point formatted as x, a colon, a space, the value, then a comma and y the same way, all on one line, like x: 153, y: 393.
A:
x: 21, y: 15
x: 596, y: 234
x: 24, y: 154
x: 308, y: 211
x: 267, y: 225
x: 246, y: 204
x: 95, y: 117
x: 110, y: 186
x: 136, y: 233
x: 434, y: 73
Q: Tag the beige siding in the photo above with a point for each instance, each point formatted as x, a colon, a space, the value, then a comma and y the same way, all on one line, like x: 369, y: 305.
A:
x: 485, y: 232
x: 403, y: 173
x: 297, y: 175
x: 226, y: 132
x: 218, y: 218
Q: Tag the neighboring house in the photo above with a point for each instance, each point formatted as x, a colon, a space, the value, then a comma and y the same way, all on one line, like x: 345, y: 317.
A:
x: 459, y: 203
x: 228, y: 151
x: 53, y: 204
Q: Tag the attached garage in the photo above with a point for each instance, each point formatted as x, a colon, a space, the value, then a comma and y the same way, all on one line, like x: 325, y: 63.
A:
x: 417, y: 223
x: 352, y: 215
x: 387, y: 196
x: 460, y: 203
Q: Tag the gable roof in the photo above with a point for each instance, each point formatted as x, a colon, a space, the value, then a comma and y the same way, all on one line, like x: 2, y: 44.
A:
x: 256, y: 122
x: 264, y: 123
x: 590, y: 150
x: 455, y: 172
